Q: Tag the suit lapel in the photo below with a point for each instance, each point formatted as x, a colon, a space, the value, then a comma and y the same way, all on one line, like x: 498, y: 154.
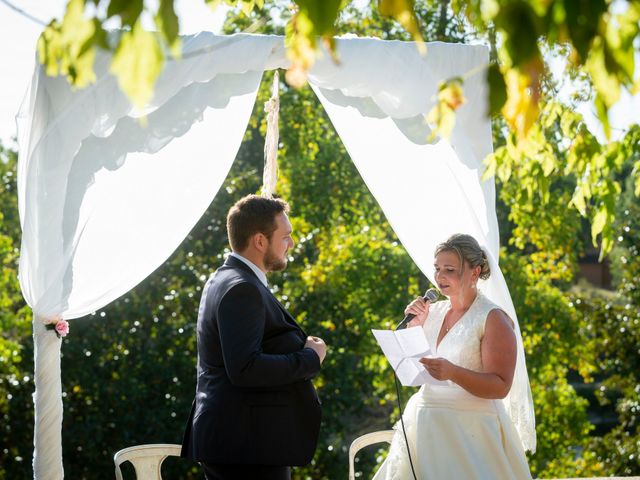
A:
x: 233, y: 262
x: 287, y: 316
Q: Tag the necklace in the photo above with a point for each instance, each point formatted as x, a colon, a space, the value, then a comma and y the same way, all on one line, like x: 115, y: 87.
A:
x: 446, y: 320
x: 448, y: 327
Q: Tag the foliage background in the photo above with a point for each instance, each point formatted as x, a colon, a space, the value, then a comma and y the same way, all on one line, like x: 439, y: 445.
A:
x: 128, y: 370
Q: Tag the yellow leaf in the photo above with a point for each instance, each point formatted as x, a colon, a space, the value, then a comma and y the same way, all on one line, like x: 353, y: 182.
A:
x: 137, y: 63
x: 402, y: 11
x: 578, y: 201
x: 521, y: 109
x: 606, y: 83
x: 68, y: 48
x: 598, y: 223
x: 490, y: 167
x: 443, y: 120
x: 300, y: 42
x: 548, y: 165
x: 296, y: 76
x: 452, y: 95
x: 247, y: 6
x: 442, y: 116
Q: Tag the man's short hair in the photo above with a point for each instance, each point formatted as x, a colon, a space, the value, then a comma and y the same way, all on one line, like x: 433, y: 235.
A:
x: 250, y: 215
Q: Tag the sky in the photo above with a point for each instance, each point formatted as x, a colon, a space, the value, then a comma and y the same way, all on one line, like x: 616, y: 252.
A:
x: 18, y: 37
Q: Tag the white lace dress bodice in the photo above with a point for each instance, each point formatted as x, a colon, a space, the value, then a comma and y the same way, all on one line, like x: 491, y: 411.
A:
x: 461, y: 345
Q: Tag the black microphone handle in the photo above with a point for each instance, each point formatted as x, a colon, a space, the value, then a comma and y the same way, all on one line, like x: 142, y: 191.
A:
x: 405, y: 320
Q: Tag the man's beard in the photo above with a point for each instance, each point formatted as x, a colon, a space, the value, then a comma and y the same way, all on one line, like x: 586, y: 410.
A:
x: 272, y: 263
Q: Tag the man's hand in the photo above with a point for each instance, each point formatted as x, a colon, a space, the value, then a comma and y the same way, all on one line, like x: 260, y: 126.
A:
x: 317, y: 345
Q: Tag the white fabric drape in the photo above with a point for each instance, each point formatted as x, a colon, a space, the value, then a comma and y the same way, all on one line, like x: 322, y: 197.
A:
x: 104, y: 199
x: 427, y: 191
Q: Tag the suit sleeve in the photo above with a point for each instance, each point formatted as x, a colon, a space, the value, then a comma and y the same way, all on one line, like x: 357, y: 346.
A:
x: 241, y: 320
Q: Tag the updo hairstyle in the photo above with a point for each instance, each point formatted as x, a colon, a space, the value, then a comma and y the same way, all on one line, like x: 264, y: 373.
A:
x: 468, y: 250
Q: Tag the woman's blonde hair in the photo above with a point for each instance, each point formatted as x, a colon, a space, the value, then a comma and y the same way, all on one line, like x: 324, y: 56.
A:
x: 468, y: 250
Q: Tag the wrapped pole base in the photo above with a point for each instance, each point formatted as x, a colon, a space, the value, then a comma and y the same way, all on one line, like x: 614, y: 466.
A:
x: 47, y: 400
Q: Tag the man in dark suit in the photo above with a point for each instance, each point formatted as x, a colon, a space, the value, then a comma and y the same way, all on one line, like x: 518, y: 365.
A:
x: 256, y: 412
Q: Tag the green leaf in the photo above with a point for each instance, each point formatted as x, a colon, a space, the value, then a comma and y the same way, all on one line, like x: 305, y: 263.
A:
x: 578, y: 200
x: 137, y: 63
x: 247, y: 6
x: 620, y: 36
x: 167, y: 22
x: 497, y: 90
x: 548, y: 165
x: 582, y: 19
x: 490, y: 166
x: 605, y: 82
x: 504, y: 171
x: 403, y: 12
x: 519, y: 24
x: 213, y: 4
x: 50, y: 48
x: 606, y: 247
x: 128, y: 10
x: 68, y: 48
x: 598, y: 223
x: 322, y: 15
x: 603, y: 114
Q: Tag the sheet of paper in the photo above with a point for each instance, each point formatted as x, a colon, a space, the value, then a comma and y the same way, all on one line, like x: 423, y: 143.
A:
x: 390, y: 346
x: 413, y: 341
x: 410, y: 372
x: 404, y: 349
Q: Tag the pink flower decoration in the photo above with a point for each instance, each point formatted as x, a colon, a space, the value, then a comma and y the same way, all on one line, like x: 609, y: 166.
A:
x: 62, y: 328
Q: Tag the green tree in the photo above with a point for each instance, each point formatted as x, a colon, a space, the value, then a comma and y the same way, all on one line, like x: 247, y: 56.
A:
x: 615, y: 326
x: 16, y: 351
x: 128, y: 371
x: 568, y: 333
x: 539, y: 263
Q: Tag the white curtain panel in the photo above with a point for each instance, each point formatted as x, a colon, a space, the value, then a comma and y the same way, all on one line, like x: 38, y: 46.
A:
x: 105, y: 198
x: 378, y: 98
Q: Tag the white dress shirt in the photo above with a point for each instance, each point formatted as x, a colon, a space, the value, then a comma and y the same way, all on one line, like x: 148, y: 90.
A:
x: 259, y: 273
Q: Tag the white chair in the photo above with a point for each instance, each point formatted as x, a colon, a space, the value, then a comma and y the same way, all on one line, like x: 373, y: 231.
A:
x: 146, y: 459
x: 363, y: 441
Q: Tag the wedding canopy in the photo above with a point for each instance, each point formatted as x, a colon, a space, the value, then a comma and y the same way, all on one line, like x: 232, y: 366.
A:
x: 105, y: 199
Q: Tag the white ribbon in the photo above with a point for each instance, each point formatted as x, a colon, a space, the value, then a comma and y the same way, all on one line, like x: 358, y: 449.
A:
x: 270, y: 173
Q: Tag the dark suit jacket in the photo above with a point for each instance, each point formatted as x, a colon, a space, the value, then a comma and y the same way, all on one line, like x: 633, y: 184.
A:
x: 255, y: 403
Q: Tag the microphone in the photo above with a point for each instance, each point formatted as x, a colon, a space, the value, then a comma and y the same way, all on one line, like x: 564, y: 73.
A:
x: 430, y: 296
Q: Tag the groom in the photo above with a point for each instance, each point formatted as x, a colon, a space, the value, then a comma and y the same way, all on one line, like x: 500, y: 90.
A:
x: 256, y: 412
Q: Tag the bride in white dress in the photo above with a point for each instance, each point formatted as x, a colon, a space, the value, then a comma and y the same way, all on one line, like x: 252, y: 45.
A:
x: 461, y: 431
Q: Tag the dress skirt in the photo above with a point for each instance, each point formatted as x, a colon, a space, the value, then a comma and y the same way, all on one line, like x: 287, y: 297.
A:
x: 455, y: 435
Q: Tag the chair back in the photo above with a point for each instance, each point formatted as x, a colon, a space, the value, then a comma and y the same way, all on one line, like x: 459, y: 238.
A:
x: 146, y: 459
x: 363, y: 441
